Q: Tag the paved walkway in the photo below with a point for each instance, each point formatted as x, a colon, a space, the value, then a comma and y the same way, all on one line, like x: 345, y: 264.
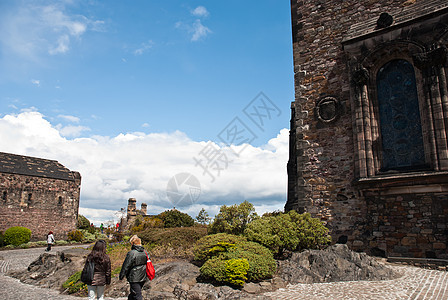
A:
x: 415, y: 284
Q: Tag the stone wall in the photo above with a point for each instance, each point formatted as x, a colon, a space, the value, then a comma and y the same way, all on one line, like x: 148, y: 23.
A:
x: 40, y: 204
x: 324, y: 165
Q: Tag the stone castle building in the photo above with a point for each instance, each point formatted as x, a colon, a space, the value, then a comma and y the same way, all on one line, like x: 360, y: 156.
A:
x: 369, y: 124
x: 132, y: 213
x: 39, y: 194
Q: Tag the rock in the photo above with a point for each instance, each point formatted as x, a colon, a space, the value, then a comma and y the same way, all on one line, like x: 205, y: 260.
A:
x: 252, y: 288
x: 336, y: 263
x: 202, y: 291
x: 177, y: 280
x: 51, y: 270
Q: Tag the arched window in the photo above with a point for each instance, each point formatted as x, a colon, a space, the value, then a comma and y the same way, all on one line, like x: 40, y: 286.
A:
x: 401, y: 130
x: 5, y: 196
x: 59, y: 200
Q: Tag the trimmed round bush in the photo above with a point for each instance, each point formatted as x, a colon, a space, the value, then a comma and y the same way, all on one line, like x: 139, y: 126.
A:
x: 232, y: 271
x: 206, y: 247
x: 291, y: 231
x: 17, y: 235
x: 174, y: 218
x: 225, y: 258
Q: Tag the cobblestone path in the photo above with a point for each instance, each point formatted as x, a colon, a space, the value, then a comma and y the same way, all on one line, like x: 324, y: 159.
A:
x: 415, y: 284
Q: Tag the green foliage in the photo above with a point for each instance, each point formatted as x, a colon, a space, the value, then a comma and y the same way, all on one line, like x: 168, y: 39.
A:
x: 203, y: 217
x: 87, y: 236
x: 231, y: 271
x: 262, y: 264
x: 233, y: 219
x: 288, y: 231
x: 74, y: 284
x: 174, y: 218
x: 180, y: 237
x: 236, y: 271
x: 225, y: 257
x: 2, y: 242
x: 141, y: 224
x: 83, y: 222
x: 203, y: 248
x: 17, y: 235
x: 75, y: 235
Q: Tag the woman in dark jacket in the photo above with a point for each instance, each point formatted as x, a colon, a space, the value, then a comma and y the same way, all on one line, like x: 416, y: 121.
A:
x: 134, y: 268
x: 102, y: 273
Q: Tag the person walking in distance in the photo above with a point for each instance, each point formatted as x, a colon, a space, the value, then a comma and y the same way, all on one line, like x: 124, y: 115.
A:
x: 134, y: 268
x: 50, y: 240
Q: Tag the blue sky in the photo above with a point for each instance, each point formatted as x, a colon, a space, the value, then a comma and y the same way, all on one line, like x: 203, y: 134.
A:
x: 139, y: 88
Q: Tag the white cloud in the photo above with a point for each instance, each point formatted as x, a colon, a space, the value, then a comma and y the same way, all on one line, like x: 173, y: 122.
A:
x: 61, y: 47
x: 35, y: 82
x: 199, y: 31
x: 30, y: 31
x: 140, y: 165
x: 200, y: 11
x: 69, y: 118
x: 144, y: 47
x: 72, y: 131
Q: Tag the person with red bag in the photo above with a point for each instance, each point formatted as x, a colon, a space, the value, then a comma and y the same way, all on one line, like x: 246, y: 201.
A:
x: 134, y: 268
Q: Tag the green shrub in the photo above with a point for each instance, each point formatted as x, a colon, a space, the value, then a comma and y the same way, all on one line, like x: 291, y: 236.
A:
x: 203, y: 248
x: 17, y: 235
x: 75, y: 235
x: 83, y: 222
x: 183, y: 237
x: 2, y: 242
x: 232, y: 271
x: 288, y: 231
x: 224, y: 255
x: 233, y: 219
x: 74, y: 284
x: 174, y: 218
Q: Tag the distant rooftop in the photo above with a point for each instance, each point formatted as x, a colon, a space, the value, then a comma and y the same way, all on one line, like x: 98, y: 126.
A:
x: 419, y: 9
x: 33, y: 166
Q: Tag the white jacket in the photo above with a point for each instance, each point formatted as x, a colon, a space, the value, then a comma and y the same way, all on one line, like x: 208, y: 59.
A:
x: 50, y: 239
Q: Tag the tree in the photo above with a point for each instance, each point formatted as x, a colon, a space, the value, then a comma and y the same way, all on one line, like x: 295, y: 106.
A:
x: 175, y: 218
x: 288, y: 231
x: 203, y: 217
x: 83, y: 222
x: 234, y: 219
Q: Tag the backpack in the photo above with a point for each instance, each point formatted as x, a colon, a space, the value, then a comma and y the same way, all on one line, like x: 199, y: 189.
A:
x: 87, y: 272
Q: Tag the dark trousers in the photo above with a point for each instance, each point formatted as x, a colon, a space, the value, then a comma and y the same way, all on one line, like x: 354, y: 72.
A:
x: 136, y: 290
x: 48, y: 247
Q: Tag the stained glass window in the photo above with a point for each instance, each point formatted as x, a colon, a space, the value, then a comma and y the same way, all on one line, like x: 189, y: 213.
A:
x: 402, y: 141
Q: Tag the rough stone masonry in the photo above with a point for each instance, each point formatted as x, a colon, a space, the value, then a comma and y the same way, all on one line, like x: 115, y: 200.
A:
x: 39, y: 194
x: 368, y: 139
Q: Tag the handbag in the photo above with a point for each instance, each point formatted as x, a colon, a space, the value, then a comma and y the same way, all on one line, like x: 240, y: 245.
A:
x: 87, y: 272
x: 150, y: 271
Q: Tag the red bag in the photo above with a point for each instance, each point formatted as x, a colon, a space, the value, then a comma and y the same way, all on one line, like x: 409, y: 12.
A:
x: 150, y: 271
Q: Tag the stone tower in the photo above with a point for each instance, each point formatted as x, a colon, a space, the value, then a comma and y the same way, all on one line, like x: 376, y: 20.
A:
x: 368, y: 140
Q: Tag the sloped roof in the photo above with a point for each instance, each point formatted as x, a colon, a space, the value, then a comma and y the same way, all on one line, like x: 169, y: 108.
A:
x: 33, y: 166
x: 419, y: 9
